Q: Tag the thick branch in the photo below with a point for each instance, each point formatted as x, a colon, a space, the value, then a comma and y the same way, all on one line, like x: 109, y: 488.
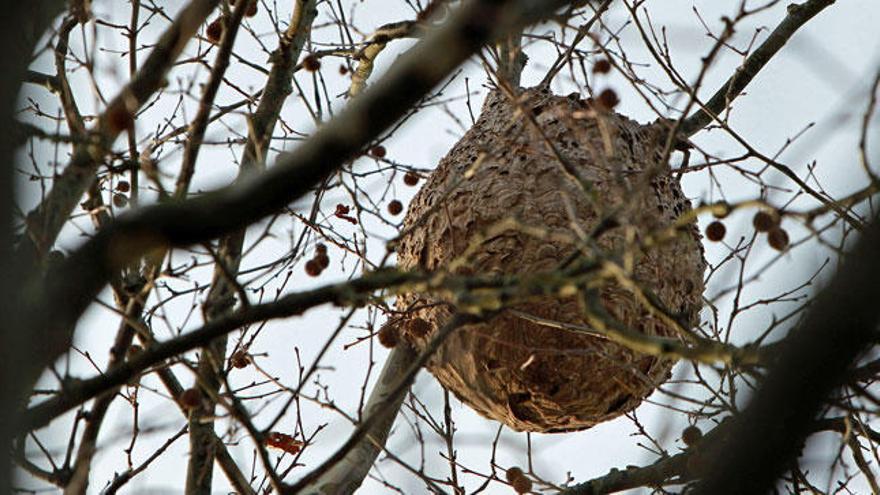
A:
x: 21, y: 26
x: 293, y: 304
x: 278, y: 84
x: 203, y: 444
x: 200, y: 469
x: 348, y: 474
x: 798, y: 15
x: 813, y: 362
x: 56, y: 302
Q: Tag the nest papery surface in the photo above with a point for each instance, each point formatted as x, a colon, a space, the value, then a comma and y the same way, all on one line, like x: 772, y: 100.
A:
x: 530, y: 376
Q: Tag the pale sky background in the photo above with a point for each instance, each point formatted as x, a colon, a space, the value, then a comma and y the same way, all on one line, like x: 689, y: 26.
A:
x: 821, y: 77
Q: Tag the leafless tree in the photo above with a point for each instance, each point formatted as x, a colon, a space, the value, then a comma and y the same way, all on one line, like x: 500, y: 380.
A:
x: 203, y: 200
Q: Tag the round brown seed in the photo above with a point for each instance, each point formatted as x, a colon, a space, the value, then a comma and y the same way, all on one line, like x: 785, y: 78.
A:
x: 691, y: 435
x: 313, y: 268
x: 388, y: 336
x: 410, y: 179
x: 311, y: 63
x: 778, y: 239
x: 764, y: 221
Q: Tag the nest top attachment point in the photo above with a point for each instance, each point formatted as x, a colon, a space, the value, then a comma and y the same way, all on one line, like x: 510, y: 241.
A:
x: 540, y: 179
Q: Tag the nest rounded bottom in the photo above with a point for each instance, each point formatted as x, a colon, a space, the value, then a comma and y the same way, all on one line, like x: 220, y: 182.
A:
x: 536, y: 378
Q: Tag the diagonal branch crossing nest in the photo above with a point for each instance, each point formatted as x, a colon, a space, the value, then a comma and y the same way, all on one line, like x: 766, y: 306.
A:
x: 553, y: 188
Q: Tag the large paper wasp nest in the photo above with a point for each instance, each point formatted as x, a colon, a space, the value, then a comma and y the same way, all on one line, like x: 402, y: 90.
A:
x: 530, y: 376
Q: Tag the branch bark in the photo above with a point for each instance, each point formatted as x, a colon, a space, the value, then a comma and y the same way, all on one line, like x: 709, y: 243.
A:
x: 798, y: 15
x: 347, y: 475
x: 21, y: 26
x: 202, y: 438
x: 814, y: 361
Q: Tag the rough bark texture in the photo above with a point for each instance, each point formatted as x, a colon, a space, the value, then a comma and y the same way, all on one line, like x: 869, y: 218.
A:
x: 528, y: 376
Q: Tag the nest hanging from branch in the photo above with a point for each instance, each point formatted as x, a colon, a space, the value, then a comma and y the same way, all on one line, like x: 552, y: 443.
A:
x: 530, y: 376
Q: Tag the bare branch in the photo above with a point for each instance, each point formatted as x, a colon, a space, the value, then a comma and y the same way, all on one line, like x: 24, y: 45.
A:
x: 21, y: 26
x: 798, y: 15
x: 392, y: 394
x: 85, y: 272
x: 45, y: 222
x: 367, y: 55
x: 813, y: 362
x: 348, y: 474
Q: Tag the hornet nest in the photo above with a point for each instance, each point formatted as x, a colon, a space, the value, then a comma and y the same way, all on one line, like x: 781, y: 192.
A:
x: 530, y: 376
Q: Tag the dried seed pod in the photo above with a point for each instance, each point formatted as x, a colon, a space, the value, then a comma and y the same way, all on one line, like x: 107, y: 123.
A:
x: 691, y: 435
x: 778, y: 238
x: 313, y: 268
x: 395, y: 207
x: 608, y: 99
x: 123, y: 186
x: 513, y: 473
x: 533, y: 377
x: 311, y: 63
x: 378, y: 151
x: 764, y: 221
x: 240, y: 359
x: 521, y: 485
x: 252, y: 9
x: 191, y: 398
x: 120, y: 200
x: 410, y: 179
x: 323, y: 260
x: 715, y: 231
x: 388, y: 336
x: 602, y: 66
x: 215, y: 30
x: 518, y: 480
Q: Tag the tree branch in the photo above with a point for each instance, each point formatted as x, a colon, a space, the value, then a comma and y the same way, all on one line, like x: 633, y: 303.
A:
x: 202, y: 438
x: 53, y: 304
x: 798, y: 15
x: 508, y: 289
x: 292, y: 304
x: 687, y: 465
x: 814, y: 361
x: 45, y: 222
x: 392, y: 394
x: 21, y: 26
x: 367, y: 55
x: 348, y: 474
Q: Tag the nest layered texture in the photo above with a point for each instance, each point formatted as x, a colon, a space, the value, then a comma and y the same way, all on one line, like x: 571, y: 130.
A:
x: 553, y: 187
